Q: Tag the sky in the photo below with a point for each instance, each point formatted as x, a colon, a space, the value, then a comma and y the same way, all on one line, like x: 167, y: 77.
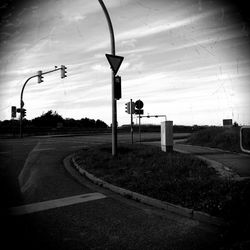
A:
x: 186, y: 59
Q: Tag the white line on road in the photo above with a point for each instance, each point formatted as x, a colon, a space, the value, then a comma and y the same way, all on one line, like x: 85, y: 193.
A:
x: 46, y: 205
x: 79, y: 146
x: 42, y: 149
x: 5, y: 152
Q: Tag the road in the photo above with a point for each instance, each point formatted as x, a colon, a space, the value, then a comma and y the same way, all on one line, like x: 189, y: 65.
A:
x: 59, y: 212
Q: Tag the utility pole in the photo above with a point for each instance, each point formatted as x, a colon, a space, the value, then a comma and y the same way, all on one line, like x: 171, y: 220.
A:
x: 114, y: 105
x: 39, y: 75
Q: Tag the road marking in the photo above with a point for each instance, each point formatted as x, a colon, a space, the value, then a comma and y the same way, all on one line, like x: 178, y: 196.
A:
x: 46, y: 205
x: 42, y: 149
x: 5, y: 152
x: 79, y: 146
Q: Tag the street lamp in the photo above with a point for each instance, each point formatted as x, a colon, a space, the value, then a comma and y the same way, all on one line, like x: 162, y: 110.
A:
x: 114, y: 105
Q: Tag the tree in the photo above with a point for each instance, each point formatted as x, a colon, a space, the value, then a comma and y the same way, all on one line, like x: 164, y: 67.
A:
x: 49, y: 119
x: 100, y: 124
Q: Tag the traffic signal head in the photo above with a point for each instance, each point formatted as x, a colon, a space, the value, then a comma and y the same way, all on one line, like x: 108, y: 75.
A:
x: 40, y: 76
x: 23, y: 112
x: 118, y: 90
x: 13, y: 111
x: 127, y: 107
x: 132, y: 108
x: 63, y: 71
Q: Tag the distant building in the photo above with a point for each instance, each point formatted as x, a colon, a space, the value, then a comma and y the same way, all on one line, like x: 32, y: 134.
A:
x: 227, y: 122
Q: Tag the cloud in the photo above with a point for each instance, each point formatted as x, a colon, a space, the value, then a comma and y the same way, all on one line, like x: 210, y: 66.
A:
x: 100, y: 68
x: 156, y: 27
x: 74, y: 18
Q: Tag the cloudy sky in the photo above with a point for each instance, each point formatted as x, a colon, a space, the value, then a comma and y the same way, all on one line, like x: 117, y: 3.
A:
x: 187, y: 59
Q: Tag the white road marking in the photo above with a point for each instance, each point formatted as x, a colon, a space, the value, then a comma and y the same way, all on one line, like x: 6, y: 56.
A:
x: 42, y: 149
x: 79, y: 146
x: 5, y: 152
x: 46, y: 205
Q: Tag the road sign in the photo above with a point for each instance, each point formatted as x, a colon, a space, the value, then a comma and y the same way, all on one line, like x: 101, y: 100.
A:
x: 115, y: 62
x: 139, y: 111
x: 227, y: 122
x: 139, y: 104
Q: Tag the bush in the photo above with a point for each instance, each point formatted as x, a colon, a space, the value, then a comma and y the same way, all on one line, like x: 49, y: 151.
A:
x: 218, y: 137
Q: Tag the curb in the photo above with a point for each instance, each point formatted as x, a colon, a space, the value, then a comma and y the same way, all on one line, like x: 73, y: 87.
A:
x: 186, y: 212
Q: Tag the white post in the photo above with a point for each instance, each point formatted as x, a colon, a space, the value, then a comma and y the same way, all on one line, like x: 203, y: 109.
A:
x: 167, y: 136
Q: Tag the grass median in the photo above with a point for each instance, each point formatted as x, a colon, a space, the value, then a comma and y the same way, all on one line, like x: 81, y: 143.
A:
x: 177, y: 178
x: 174, y: 177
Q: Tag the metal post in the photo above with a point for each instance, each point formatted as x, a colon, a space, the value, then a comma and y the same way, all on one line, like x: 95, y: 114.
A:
x: 140, y: 125
x: 131, y: 116
x: 114, y: 112
x: 22, y: 104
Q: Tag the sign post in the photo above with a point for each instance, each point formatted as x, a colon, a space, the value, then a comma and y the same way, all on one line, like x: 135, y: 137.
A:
x: 139, y: 105
x: 115, y: 62
x: 131, y: 121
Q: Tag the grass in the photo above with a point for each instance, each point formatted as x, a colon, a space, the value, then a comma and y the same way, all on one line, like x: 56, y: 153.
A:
x: 217, y: 137
x: 173, y: 177
x: 178, y: 178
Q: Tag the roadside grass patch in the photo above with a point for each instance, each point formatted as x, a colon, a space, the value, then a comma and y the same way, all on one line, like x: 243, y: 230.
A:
x: 217, y: 137
x: 174, y: 177
x: 177, y: 178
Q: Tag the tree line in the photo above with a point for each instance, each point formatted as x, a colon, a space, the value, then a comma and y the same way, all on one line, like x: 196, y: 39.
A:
x: 52, y: 119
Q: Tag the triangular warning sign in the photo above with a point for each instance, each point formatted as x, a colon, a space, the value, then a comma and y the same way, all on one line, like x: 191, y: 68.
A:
x: 115, y: 62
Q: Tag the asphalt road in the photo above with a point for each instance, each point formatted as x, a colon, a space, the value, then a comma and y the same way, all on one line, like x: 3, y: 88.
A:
x: 60, y: 212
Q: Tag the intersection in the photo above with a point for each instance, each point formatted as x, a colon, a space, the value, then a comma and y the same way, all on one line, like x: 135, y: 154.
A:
x: 34, y: 167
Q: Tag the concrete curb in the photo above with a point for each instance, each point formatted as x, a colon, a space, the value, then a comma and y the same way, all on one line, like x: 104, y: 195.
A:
x: 187, y: 212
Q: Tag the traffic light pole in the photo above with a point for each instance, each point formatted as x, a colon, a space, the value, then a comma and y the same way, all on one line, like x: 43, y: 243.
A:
x: 114, y: 105
x: 156, y: 116
x: 131, y: 117
x: 21, y: 98
x: 22, y: 104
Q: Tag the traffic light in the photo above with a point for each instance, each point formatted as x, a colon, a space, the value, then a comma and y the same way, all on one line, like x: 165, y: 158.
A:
x: 13, y: 111
x: 23, y: 112
x: 127, y: 107
x: 132, y: 108
x: 118, y: 90
x: 40, y: 76
x: 63, y: 71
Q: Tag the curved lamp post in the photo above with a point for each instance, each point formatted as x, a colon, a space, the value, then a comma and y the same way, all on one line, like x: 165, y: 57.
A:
x: 40, y: 73
x: 114, y: 106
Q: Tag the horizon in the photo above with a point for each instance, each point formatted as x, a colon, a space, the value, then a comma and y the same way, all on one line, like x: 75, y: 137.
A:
x: 135, y: 120
x: 188, y: 60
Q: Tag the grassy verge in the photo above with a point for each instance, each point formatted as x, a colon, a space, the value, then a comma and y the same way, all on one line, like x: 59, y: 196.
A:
x: 217, y: 137
x: 177, y: 178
